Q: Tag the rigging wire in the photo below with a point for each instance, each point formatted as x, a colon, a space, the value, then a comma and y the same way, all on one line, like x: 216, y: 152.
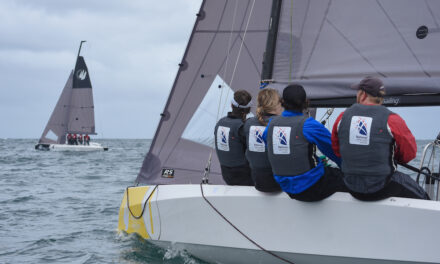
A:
x: 241, y: 232
x: 207, y: 168
x: 205, y: 178
x: 239, y: 52
x: 291, y: 42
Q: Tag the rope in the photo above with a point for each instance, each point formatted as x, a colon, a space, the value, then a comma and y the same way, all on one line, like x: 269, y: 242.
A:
x: 239, y: 231
x: 145, y: 203
x: 291, y: 42
x: 239, y: 52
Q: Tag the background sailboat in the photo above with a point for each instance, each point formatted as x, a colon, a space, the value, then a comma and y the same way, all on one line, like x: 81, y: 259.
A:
x: 325, y: 46
x: 73, y: 113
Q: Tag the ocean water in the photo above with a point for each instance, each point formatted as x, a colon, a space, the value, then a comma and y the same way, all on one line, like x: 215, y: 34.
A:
x: 62, y: 207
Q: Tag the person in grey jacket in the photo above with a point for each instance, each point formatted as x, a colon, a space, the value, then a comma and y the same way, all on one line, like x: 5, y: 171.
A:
x: 269, y: 105
x: 229, y: 144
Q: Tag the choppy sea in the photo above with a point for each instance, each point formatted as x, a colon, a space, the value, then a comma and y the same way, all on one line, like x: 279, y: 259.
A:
x: 62, y: 207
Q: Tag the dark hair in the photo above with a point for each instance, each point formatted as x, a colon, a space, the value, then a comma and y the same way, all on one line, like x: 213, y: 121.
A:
x: 294, y: 98
x: 243, y: 98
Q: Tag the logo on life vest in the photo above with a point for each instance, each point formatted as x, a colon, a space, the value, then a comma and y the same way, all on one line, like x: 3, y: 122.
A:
x: 360, y: 130
x: 223, y: 138
x: 223, y: 134
x: 281, y: 140
x: 256, y: 142
x: 81, y: 74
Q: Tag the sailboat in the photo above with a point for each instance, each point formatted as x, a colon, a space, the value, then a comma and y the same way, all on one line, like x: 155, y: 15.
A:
x: 179, y: 198
x: 73, y: 113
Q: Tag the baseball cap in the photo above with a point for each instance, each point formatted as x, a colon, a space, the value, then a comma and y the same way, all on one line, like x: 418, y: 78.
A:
x: 370, y: 85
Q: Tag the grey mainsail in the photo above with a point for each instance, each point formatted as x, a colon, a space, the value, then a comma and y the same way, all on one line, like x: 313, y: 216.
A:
x: 74, y: 111
x: 56, y: 128
x: 326, y: 45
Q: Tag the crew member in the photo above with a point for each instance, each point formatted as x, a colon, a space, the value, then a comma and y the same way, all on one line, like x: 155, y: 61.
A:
x: 74, y: 139
x: 69, y: 139
x: 291, y: 142
x: 370, y: 139
x: 269, y: 105
x: 86, y: 139
x: 80, y: 139
x: 229, y: 143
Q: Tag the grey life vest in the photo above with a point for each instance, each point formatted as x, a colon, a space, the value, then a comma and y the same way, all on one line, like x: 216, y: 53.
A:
x: 289, y: 151
x: 366, y: 147
x: 228, y: 144
x: 256, y: 152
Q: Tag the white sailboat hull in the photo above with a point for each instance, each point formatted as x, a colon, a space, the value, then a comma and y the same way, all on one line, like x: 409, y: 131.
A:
x: 64, y: 147
x: 339, y: 229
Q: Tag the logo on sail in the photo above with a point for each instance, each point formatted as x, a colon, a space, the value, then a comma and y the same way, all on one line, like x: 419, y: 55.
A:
x: 81, y: 74
x: 360, y: 130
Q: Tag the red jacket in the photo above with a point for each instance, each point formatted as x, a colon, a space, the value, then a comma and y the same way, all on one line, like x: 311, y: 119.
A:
x: 405, y: 143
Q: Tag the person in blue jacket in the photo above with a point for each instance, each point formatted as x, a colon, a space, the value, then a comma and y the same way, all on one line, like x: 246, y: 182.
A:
x: 291, y: 140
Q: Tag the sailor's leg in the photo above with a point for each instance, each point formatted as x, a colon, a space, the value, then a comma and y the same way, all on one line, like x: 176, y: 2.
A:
x: 402, y: 185
x: 329, y: 183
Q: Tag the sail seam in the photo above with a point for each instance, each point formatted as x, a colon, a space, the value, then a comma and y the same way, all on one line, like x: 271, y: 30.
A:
x: 403, y: 38
x: 354, y: 47
x: 316, y: 40
x: 432, y: 14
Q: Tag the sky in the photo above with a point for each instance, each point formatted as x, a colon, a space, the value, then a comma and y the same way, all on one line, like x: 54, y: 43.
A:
x: 132, y: 52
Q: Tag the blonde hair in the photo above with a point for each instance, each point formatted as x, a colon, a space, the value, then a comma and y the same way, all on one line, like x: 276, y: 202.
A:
x: 268, y: 101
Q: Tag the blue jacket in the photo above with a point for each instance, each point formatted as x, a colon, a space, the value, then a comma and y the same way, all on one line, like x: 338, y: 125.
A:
x: 315, y: 133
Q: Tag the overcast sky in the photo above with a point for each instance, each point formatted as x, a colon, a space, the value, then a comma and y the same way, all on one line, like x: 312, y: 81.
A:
x: 133, y: 49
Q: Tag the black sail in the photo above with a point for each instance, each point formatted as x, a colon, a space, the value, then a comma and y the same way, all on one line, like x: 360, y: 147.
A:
x: 82, y: 115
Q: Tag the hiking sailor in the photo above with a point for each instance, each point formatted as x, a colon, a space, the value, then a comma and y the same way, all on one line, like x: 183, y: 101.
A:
x: 86, y: 139
x: 69, y: 139
x: 229, y: 143
x: 269, y: 104
x: 370, y: 139
x: 291, y: 142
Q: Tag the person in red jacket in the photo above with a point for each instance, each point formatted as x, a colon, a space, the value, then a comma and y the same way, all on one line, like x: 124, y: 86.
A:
x: 80, y: 139
x: 69, y: 139
x: 74, y: 140
x: 370, y: 139
x: 86, y: 139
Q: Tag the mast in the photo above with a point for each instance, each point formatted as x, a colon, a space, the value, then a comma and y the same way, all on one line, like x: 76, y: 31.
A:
x: 80, y: 45
x: 269, y: 54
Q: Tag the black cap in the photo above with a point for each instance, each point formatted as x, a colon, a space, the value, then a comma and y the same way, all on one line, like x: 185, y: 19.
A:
x: 370, y: 85
x: 294, y: 96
